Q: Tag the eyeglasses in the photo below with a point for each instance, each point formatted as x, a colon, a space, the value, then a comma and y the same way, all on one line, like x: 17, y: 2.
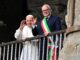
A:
x: 45, y: 10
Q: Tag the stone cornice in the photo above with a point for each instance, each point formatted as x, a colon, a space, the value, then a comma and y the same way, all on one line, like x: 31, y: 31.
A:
x: 72, y: 29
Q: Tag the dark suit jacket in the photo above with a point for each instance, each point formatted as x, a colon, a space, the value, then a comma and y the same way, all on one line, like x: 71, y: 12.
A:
x: 34, y: 31
x: 54, y: 23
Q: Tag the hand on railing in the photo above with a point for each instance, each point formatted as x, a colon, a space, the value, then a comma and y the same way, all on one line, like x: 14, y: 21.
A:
x: 46, y: 33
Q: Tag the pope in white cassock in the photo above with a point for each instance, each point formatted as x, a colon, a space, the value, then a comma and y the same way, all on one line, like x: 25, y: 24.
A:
x: 30, y: 50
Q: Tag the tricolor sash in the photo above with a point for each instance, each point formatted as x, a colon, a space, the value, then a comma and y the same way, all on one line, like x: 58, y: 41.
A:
x: 50, y: 45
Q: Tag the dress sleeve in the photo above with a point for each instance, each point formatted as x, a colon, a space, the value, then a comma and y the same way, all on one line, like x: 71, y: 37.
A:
x: 18, y: 34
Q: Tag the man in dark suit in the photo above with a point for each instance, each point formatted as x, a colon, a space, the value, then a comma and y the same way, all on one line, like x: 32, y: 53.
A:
x: 54, y: 24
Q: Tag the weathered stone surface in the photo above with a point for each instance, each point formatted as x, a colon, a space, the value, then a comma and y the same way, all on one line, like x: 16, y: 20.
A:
x: 71, y: 48
x: 77, y: 12
x: 73, y: 13
x: 70, y: 13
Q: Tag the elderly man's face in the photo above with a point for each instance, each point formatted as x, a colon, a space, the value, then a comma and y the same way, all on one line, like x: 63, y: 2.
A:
x: 29, y: 21
x: 46, y: 11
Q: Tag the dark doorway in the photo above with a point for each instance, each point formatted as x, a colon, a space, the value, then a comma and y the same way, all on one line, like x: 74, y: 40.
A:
x: 11, y: 13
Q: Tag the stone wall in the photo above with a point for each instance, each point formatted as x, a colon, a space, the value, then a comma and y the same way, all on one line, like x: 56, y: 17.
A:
x: 77, y: 12
x: 71, y: 46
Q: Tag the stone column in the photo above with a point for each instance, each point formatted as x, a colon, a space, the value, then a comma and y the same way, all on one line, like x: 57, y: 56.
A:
x: 77, y: 13
x: 70, y: 13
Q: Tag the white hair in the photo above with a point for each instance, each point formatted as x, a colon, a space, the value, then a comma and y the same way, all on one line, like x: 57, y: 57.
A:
x: 29, y: 16
x: 47, y: 5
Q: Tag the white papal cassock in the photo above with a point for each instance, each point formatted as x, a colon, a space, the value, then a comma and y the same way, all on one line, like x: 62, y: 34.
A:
x: 30, y: 49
